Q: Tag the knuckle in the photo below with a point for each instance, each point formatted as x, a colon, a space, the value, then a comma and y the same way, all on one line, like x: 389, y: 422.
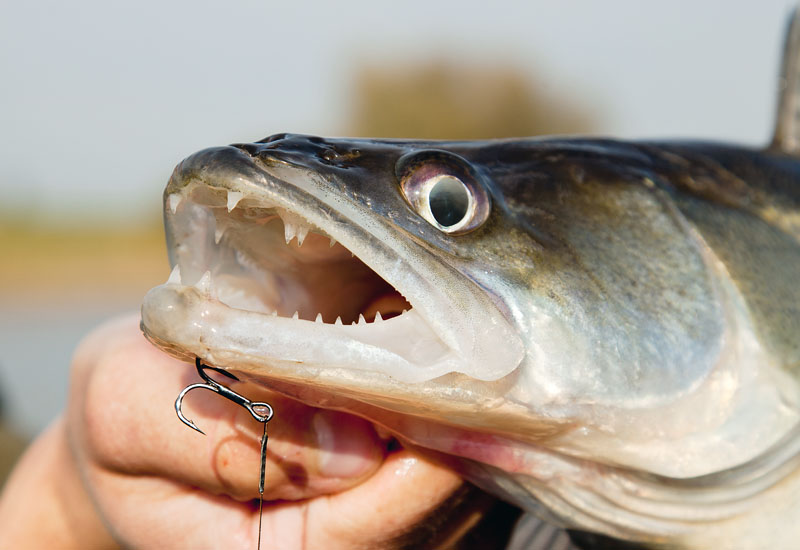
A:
x: 236, y: 468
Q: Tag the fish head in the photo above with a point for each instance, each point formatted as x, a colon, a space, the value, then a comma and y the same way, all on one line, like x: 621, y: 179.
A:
x: 541, y: 314
x: 601, y: 332
x: 268, y: 238
x: 510, y: 286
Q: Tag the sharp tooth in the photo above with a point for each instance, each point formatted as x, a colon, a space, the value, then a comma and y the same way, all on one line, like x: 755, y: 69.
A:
x: 302, y: 231
x: 361, y: 318
x: 233, y: 199
x: 221, y: 226
x: 333, y: 242
x: 173, y: 201
x: 378, y: 317
x: 293, y: 225
x: 204, y: 284
x: 289, y: 231
x: 296, y: 315
x: 319, y: 318
x: 338, y: 321
x: 175, y: 276
x: 218, y: 232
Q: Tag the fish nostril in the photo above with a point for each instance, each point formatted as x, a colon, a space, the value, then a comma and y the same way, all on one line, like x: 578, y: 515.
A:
x: 251, y: 149
x: 274, y: 137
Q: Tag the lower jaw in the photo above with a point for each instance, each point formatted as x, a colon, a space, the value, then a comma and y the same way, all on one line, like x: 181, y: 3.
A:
x: 450, y: 399
x: 186, y: 317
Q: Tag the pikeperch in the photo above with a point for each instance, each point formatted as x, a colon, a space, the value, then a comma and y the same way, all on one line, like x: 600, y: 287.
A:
x: 604, y: 333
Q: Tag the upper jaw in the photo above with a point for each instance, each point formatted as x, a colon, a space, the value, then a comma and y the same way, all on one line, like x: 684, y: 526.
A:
x: 452, y: 326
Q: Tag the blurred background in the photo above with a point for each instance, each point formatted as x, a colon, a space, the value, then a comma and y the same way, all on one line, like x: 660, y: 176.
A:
x: 99, y: 100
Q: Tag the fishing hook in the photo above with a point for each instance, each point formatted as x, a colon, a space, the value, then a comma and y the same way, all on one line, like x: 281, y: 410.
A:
x: 210, y: 384
x: 252, y: 406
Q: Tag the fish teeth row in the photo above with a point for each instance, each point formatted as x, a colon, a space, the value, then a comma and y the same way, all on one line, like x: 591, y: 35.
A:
x: 361, y: 320
x: 206, y: 285
x: 293, y: 226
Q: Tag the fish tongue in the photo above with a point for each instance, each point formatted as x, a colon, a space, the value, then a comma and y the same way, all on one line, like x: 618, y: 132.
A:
x: 389, y: 305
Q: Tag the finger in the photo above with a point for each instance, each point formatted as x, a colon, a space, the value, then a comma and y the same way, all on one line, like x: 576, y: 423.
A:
x: 388, y: 508
x: 400, y: 506
x: 159, y: 513
x: 121, y: 411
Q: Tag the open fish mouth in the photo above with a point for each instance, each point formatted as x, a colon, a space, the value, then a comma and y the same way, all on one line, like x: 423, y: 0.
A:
x: 309, y: 278
x: 264, y: 272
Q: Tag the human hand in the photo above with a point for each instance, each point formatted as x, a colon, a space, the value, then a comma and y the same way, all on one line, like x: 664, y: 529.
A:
x: 119, y: 468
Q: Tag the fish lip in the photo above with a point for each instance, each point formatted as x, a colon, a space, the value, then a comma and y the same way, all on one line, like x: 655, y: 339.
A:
x: 299, y: 191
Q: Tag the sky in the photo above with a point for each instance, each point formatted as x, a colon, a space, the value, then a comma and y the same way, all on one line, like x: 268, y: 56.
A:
x: 99, y: 99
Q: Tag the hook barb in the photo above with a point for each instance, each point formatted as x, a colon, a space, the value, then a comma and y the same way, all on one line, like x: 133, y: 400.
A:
x: 179, y: 403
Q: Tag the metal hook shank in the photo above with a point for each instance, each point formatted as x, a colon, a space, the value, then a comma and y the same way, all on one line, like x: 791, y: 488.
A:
x: 212, y: 385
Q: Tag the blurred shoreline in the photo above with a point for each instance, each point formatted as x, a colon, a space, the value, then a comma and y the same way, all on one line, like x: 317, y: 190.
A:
x: 47, y: 266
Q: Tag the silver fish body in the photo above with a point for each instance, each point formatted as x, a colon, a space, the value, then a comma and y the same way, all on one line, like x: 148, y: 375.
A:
x: 606, y: 335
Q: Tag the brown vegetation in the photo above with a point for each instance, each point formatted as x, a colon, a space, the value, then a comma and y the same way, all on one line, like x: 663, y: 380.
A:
x: 50, y: 266
x: 447, y: 101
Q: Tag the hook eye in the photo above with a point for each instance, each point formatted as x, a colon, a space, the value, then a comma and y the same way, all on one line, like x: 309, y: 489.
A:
x: 261, y: 411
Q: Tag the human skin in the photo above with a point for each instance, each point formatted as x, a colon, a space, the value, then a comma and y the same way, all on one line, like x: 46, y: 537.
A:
x: 119, y: 469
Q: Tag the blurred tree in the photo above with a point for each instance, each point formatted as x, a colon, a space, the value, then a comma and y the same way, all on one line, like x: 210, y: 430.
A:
x: 11, y: 446
x: 440, y: 100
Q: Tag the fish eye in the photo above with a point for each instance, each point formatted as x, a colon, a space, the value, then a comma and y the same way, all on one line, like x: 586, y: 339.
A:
x: 449, y: 200
x: 444, y: 190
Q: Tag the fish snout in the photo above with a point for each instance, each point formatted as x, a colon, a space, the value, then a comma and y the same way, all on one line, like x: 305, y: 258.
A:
x: 214, y: 164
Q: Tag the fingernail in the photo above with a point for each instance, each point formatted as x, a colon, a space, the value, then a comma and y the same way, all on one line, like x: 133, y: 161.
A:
x: 346, y: 445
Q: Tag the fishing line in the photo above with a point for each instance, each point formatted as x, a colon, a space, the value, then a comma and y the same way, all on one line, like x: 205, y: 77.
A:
x: 259, y: 410
x: 264, y: 438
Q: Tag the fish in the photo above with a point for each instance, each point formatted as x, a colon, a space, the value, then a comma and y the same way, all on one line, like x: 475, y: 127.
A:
x: 605, y: 333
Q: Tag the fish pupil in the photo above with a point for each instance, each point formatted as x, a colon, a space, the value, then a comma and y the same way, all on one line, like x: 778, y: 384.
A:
x: 449, y: 201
